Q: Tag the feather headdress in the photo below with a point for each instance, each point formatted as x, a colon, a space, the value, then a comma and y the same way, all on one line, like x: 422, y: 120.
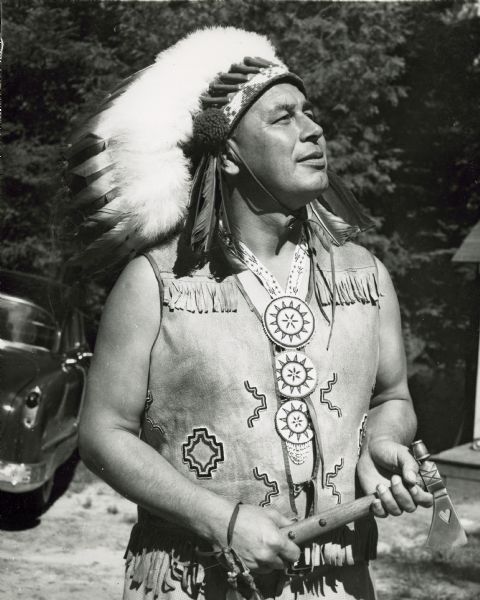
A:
x: 127, y: 171
x: 129, y: 176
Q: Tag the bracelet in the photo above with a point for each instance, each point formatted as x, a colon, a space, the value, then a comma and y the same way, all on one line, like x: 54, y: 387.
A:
x: 231, y: 524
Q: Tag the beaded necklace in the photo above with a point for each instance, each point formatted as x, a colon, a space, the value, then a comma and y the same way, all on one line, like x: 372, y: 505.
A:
x: 289, y: 323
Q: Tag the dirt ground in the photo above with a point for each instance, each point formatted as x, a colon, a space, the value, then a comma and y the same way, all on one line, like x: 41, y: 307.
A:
x: 75, y: 551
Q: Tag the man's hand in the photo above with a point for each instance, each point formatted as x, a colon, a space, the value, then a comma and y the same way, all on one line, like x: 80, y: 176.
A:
x: 260, y: 543
x: 388, y: 469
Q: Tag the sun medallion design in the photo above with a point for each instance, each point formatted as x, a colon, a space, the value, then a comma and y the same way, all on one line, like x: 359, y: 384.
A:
x: 293, y: 422
x: 296, y: 374
x: 289, y: 322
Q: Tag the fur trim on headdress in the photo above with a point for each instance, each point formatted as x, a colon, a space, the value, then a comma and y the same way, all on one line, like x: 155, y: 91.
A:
x: 143, y: 190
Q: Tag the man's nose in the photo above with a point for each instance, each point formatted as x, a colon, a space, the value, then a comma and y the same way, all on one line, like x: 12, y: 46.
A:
x: 310, y: 130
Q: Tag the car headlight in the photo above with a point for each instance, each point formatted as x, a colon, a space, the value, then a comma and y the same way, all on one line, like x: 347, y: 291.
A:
x: 18, y: 473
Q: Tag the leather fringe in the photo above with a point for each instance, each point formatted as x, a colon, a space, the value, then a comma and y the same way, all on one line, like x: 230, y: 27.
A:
x: 162, y: 562
x: 351, y: 287
x: 345, y: 547
x: 201, y: 296
x: 161, y: 567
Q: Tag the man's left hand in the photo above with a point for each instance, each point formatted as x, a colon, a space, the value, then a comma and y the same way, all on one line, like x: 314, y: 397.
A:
x: 388, y: 469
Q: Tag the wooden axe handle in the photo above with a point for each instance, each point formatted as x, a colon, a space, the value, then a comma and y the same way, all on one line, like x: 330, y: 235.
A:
x: 318, y: 525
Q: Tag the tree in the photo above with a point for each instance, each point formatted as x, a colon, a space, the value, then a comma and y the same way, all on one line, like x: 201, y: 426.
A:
x: 395, y: 86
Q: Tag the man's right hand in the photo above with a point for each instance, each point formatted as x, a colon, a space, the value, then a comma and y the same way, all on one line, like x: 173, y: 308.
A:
x: 257, y: 539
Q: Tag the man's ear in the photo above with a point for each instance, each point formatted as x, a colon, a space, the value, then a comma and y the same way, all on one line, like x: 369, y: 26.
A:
x: 229, y: 163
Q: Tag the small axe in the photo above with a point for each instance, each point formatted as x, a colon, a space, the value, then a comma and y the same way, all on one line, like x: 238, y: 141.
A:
x: 445, y: 530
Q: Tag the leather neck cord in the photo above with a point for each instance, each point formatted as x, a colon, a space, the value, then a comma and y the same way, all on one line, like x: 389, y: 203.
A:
x: 236, y: 152
x: 306, y: 221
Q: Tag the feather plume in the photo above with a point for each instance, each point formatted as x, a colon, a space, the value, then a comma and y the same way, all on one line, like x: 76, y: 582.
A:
x: 344, y: 204
x: 144, y: 123
x: 120, y: 242
x: 87, y: 146
x: 330, y: 228
x: 197, y: 183
x: 100, y: 188
x: 204, y: 224
x: 98, y: 224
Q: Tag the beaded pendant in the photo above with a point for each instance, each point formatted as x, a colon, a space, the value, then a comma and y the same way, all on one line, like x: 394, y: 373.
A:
x: 296, y: 374
x: 289, y: 323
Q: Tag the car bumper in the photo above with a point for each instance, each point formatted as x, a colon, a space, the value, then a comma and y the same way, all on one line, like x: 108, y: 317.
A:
x: 22, y: 477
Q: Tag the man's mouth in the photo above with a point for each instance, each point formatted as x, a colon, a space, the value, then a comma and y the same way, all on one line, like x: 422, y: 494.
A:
x: 315, y: 158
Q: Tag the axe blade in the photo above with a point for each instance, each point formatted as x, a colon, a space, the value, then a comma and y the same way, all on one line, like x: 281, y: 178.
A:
x: 445, y: 530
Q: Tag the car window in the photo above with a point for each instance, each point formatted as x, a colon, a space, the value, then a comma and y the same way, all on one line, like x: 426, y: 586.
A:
x: 25, y: 323
x: 73, y: 336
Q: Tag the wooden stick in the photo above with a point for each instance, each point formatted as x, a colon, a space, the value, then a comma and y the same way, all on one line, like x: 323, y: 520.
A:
x: 318, y: 525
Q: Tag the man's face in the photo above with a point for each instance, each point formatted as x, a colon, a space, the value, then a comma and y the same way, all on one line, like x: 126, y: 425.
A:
x: 284, y: 147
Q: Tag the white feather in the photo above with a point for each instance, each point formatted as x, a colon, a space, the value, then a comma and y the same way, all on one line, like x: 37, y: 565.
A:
x: 147, y: 122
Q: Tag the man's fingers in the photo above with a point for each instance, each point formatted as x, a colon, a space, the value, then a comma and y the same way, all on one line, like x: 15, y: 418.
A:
x: 279, y: 519
x: 378, y: 510
x: 421, y: 497
x: 290, y: 553
x: 407, y: 465
x: 402, y: 495
x: 388, y: 501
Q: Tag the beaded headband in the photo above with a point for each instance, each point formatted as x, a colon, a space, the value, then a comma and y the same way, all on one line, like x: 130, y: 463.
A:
x: 230, y: 96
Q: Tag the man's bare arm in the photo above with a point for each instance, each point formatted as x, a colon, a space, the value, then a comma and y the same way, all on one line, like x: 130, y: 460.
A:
x: 110, y: 425
x: 385, y: 465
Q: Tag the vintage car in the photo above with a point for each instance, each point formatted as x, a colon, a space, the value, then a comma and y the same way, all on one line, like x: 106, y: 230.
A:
x: 43, y: 361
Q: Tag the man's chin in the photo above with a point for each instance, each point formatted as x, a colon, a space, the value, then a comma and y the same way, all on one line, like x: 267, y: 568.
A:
x: 321, y: 183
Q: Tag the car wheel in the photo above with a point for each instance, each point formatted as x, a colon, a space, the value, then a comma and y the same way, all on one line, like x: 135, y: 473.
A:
x: 35, y: 502
x: 27, y: 507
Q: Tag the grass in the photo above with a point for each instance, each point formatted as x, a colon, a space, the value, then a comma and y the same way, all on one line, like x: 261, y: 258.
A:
x: 422, y: 574
x: 404, y: 570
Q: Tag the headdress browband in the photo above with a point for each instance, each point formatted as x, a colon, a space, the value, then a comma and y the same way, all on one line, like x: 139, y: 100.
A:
x: 230, y: 96
x: 252, y: 77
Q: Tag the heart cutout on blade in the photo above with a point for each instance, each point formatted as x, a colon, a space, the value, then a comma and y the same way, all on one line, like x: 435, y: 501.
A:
x: 445, y: 515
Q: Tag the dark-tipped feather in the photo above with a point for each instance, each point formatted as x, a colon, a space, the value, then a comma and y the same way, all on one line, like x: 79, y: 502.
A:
x: 102, y: 189
x: 196, y: 184
x: 329, y: 228
x: 205, y: 201
x: 84, y: 174
x: 98, y: 224
x: 115, y: 244
x: 84, y: 148
x: 344, y: 204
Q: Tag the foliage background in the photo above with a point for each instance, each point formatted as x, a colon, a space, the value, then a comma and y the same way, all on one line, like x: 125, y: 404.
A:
x: 396, y: 86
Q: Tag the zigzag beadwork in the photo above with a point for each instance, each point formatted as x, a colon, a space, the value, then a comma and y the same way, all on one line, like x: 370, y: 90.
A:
x: 331, y: 476
x: 148, y: 403
x: 273, y: 485
x: 327, y: 390
x: 257, y: 396
x: 154, y: 425
x: 362, y: 432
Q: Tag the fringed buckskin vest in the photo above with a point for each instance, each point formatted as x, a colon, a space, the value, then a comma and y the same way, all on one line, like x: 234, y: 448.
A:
x: 213, y: 398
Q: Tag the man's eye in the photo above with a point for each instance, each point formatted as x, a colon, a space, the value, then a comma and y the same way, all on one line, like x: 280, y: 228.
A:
x: 285, y: 117
x: 310, y: 115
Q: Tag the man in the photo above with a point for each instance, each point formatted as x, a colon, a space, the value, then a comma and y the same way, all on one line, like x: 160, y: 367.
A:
x: 233, y: 371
